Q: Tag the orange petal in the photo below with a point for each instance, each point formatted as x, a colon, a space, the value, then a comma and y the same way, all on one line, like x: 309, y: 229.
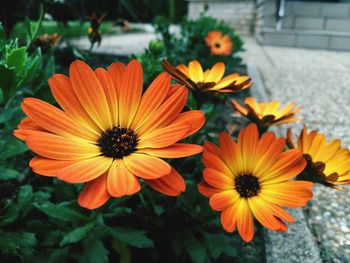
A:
x: 130, y: 93
x: 229, y: 217
x: 120, y: 181
x: 289, y: 165
x: 222, y: 200
x: 231, y: 153
x: 55, y: 120
x: 95, y: 193
x: 207, y: 190
x: 111, y: 93
x: 217, y: 179
x: 262, y: 213
x: 85, y: 170
x: 48, y: 167
x: 56, y: 147
x: 64, y: 94
x: 163, y: 137
x: 171, y: 184
x: 146, y: 166
x: 152, y: 99
x: 212, y: 148
x: 177, y: 150
x: 245, y: 224
x: 248, y: 141
x: 213, y: 161
x: 90, y: 93
x: 167, y: 112
x: 288, y: 194
x: 194, y: 117
x: 116, y: 72
x: 239, y: 108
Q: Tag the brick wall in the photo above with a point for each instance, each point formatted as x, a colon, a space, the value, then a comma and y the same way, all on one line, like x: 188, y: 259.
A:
x: 238, y: 14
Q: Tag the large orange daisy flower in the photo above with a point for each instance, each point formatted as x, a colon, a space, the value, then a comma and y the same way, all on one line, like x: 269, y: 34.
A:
x: 108, y: 135
x: 210, y: 80
x: 327, y: 162
x: 265, y: 114
x: 250, y: 178
x: 218, y: 43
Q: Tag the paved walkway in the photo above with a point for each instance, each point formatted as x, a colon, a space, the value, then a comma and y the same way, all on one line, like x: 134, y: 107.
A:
x: 320, y: 82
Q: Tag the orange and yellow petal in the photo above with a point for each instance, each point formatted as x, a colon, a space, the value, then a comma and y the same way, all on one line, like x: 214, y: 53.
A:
x: 171, y: 184
x: 120, y: 181
x: 146, y: 166
x: 95, y: 193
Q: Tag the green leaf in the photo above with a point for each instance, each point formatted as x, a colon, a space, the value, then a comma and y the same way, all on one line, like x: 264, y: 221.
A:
x: 1, y: 96
x: 7, y: 114
x: 13, y: 147
x: 123, y: 251
x: 32, y: 66
x: 95, y: 252
x: 59, y: 212
x: 195, y: 249
x: 8, y: 174
x: 13, y: 243
x: 17, y: 58
x: 7, y: 80
x: 132, y: 237
x: 77, y: 234
x: 58, y: 255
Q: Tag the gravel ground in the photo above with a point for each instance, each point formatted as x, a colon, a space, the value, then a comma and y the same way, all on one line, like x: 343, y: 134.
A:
x: 320, y: 82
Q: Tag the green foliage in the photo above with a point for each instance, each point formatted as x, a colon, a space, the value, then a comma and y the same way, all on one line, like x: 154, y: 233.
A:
x: 190, y: 44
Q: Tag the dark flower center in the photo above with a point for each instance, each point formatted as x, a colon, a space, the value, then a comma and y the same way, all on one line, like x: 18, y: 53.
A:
x: 217, y: 45
x: 247, y: 185
x: 117, y: 142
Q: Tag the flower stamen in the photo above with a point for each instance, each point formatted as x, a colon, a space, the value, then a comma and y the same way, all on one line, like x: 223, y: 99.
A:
x: 118, y: 142
x: 247, y: 185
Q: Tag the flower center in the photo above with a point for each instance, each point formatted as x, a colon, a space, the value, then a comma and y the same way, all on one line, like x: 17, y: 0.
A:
x: 117, y: 142
x: 217, y: 45
x: 247, y: 185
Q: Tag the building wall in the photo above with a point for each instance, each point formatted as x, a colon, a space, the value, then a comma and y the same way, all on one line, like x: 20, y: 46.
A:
x: 238, y: 14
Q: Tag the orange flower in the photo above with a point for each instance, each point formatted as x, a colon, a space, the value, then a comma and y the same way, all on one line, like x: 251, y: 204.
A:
x: 108, y: 135
x: 265, y: 114
x: 250, y: 178
x: 327, y: 162
x: 219, y: 44
x: 210, y: 80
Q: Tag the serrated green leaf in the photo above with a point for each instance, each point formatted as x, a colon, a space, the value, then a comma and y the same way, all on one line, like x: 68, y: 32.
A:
x: 59, y: 212
x: 132, y: 237
x: 77, y: 234
x: 95, y: 252
x: 195, y: 249
x: 17, y: 58
x: 8, y: 174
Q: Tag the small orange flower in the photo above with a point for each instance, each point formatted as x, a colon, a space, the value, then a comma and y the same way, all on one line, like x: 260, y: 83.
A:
x: 251, y: 178
x: 265, y: 114
x: 210, y: 80
x: 108, y: 135
x: 327, y: 162
x: 219, y: 44
x: 94, y: 31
